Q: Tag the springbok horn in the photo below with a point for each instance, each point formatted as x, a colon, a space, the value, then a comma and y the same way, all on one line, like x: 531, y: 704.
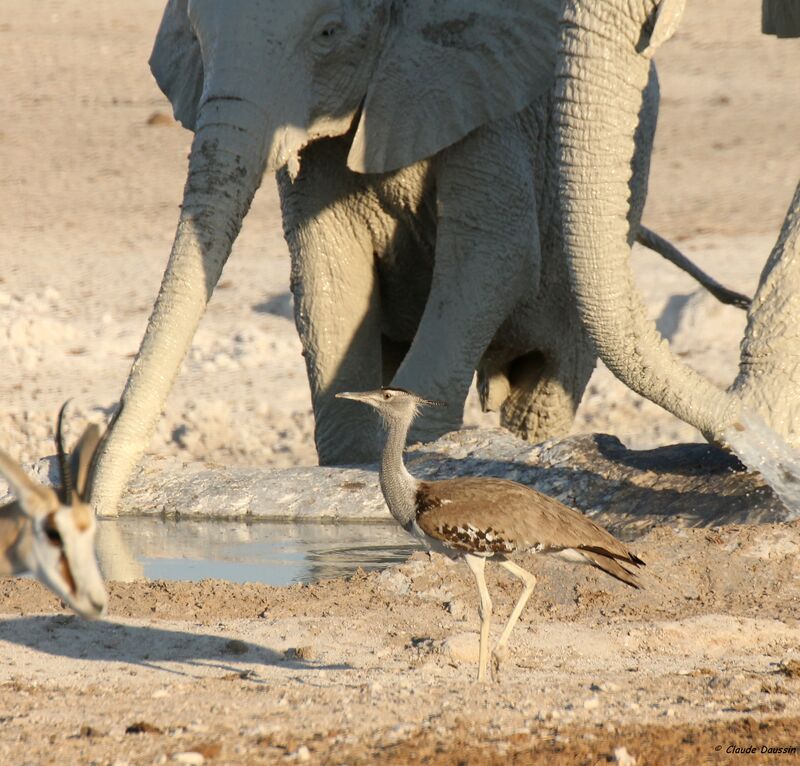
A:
x: 63, y: 462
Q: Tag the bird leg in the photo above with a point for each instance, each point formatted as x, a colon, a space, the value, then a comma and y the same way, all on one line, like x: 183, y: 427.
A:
x: 529, y: 582
x: 477, y: 565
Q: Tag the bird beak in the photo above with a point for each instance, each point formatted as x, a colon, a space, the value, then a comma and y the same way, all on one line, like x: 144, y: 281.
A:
x: 357, y: 396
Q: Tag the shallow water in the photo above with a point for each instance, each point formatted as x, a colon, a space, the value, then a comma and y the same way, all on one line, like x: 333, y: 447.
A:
x: 276, y: 553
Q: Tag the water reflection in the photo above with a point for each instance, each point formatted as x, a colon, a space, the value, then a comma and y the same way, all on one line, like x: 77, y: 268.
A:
x: 276, y: 553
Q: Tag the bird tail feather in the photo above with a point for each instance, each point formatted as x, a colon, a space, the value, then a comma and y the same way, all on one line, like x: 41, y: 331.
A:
x: 611, y: 566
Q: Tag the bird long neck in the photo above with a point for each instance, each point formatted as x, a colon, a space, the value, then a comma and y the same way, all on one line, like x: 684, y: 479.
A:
x: 399, y: 487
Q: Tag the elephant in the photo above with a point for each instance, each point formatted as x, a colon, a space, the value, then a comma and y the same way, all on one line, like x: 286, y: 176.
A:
x: 603, y: 73
x: 414, y: 152
x: 780, y: 18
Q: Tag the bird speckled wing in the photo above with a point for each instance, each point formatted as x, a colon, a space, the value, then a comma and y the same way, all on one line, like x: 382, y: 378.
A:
x: 470, y: 514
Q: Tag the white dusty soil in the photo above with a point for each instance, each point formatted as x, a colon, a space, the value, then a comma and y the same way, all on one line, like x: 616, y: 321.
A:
x: 91, y: 174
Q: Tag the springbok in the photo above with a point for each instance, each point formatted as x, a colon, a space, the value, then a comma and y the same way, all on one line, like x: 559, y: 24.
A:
x: 50, y: 532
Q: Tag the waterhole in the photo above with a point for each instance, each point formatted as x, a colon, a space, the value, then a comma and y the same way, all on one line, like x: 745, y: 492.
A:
x: 271, y: 552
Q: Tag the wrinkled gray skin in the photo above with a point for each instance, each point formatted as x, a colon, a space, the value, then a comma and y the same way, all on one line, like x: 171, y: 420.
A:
x: 602, y: 75
x: 423, y: 227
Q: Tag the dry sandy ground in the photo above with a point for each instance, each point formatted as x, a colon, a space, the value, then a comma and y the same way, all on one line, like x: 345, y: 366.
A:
x: 381, y: 667
x: 90, y: 179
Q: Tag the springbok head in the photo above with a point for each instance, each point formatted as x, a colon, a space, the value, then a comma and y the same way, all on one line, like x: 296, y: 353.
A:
x: 56, y: 541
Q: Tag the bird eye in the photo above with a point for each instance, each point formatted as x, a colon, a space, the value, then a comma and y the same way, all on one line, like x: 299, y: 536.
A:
x: 329, y: 31
x: 387, y: 395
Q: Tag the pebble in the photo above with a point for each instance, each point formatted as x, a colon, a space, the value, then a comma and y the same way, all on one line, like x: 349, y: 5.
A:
x: 160, y: 694
x: 190, y: 758
x: 462, y: 647
x: 305, y: 653
x: 623, y: 758
x: 592, y: 703
x: 457, y: 608
x: 303, y: 755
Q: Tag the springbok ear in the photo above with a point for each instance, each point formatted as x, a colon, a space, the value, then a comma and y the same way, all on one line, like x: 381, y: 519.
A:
x: 82, y: 457
x: 176, y: 63
x: 34, y: 499
x: 449, y: 67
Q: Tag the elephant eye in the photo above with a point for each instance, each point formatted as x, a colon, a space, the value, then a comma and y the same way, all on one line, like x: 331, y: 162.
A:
x: 327, y: 31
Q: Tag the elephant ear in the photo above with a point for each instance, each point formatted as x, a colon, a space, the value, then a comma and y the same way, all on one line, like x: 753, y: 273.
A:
x: 448, y: 67
x: 176, y: 63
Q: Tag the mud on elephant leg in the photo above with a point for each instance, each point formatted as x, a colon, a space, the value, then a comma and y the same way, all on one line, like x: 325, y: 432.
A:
x: 337, y: 313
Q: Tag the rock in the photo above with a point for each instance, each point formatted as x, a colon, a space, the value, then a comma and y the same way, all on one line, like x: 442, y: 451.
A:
x: 303, y: 755
x: 462, y: 647
x: 629, y: 492
x: 395, y: 582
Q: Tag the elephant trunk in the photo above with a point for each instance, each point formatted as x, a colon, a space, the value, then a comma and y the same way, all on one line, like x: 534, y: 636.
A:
x: 601, y: 78
x: 225, y: 169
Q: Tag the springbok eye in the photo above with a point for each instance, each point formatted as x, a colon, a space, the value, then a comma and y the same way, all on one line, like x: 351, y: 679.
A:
x: 53, y: 535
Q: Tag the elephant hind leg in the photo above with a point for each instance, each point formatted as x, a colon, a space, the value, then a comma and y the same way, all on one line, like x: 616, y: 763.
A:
x: 544, y: 391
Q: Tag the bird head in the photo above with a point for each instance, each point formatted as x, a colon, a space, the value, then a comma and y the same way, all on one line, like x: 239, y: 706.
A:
x: 392, y: 403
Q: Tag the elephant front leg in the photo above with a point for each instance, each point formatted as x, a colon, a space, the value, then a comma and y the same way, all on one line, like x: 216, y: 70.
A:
x: 337, y: 311
x: 487, y: 257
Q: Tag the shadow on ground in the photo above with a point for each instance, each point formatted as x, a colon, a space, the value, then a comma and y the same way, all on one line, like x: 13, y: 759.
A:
x: 103, y: 641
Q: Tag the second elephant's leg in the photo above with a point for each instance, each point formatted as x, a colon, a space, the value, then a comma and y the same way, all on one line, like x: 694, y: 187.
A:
x: 487, y: 256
